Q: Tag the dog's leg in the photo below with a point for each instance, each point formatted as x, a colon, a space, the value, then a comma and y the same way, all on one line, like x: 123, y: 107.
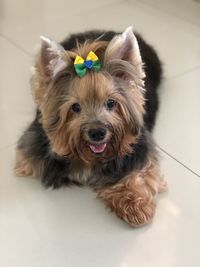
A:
x: 133, y: 198
x: 53, y: 172
x: 23, y: 166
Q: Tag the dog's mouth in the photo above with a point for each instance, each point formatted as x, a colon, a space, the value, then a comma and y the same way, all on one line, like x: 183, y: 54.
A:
x: 98, y: 148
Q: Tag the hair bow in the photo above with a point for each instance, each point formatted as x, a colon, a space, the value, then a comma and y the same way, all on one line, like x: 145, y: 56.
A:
x: 91, y: 62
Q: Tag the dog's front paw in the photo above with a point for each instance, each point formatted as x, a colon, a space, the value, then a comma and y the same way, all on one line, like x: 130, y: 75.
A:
x: 135, y: 211
x: 23, y: 170
x: 132, y: 209
x: 23, y: 166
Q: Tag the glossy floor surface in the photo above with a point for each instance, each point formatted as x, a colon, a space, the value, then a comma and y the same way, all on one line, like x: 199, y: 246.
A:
x: 70, y: 227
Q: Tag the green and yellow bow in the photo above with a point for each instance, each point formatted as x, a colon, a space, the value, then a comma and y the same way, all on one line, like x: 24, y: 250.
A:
x: 91, y: 62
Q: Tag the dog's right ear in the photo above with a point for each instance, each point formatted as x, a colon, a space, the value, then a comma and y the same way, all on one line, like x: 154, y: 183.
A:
x: 52, y: 58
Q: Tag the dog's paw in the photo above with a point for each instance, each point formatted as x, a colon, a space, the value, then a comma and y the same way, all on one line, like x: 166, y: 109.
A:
x: 135, y: 209
x: 23, y: 169
x: 137, y: 212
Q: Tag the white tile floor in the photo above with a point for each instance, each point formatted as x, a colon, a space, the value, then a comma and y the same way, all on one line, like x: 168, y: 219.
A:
x: 70, y: 227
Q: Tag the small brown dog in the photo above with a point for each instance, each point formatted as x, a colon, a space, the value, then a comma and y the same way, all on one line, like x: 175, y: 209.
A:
x: 96, y: 97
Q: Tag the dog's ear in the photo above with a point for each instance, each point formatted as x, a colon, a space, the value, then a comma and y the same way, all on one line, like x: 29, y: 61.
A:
x: 52, y: 58
x: 125, y: 47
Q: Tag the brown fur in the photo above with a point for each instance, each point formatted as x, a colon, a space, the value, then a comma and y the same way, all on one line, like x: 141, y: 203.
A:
x: 98, y: 87
x: 25, y: 165
x: 22, y: 165
x: 133, y: 199
x: 94, y: 88
x: 65, y: 132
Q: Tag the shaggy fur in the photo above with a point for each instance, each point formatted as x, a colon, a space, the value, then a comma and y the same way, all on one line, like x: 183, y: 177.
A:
x: 60, y: 146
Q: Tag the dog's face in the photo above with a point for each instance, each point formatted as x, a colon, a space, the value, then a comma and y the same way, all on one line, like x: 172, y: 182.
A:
x: 99, y: 115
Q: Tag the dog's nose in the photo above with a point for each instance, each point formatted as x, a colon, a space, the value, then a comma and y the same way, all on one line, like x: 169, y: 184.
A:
x: 97, y: 134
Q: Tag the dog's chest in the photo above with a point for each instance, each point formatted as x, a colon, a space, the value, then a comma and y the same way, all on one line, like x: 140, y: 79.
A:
x: 80, y: 172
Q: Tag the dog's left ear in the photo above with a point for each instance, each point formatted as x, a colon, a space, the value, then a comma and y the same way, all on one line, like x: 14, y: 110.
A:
x: 125, y: 47
x: 52, y: 58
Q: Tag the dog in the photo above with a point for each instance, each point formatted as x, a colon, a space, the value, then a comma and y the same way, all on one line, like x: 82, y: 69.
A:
x: 96, y: 97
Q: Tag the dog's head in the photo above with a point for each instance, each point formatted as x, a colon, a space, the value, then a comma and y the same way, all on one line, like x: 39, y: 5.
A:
x: 99, y: 115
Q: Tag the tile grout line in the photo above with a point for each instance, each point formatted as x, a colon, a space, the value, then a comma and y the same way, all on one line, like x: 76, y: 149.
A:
x: 30, y: 55
x: 184, y: 73
x: 15, y: 45
x: 164, y: 151
x: 169, y: 155
x: 109, y: 4
x: 169, y: 13
x: 8, y: 146
x: 114, y: 2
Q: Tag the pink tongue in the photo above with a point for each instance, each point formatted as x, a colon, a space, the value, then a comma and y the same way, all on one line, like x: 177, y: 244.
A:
x: 97, y: 148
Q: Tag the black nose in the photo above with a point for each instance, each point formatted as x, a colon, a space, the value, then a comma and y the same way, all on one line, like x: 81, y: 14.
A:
x: 97, y: 134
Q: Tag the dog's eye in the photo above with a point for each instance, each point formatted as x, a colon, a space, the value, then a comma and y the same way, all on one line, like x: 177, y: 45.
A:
x: 111, y: 104
x: 76, y: 107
